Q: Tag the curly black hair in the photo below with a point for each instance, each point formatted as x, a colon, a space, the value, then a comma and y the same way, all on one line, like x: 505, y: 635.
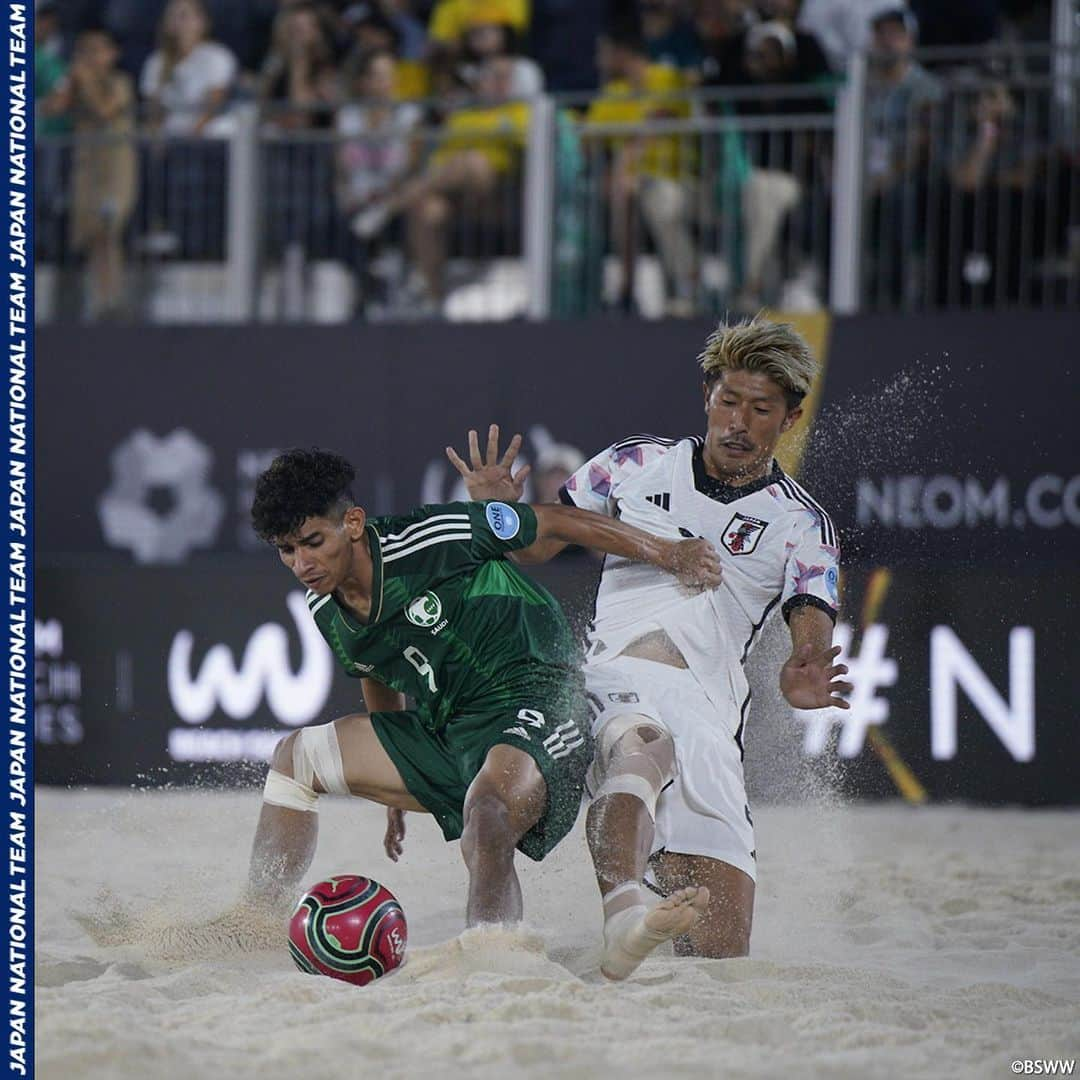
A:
x: 300, y: 484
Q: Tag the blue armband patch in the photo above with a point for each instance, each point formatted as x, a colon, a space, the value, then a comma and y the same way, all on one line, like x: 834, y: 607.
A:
x: 504, y: 520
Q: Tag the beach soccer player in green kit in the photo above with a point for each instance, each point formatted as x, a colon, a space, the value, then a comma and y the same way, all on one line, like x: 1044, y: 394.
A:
x: 425, y: 605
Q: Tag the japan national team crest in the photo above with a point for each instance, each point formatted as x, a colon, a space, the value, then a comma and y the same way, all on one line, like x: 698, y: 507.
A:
x: 742, y: 534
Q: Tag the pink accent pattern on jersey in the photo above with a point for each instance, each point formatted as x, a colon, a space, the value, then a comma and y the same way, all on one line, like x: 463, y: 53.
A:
x: 805, y: 575
x: 571, y: 484
x: 633, y: 453
x: 600, y: 481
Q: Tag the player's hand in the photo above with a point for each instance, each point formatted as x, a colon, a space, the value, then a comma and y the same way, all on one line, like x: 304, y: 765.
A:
x: 694, y: 562
x: 491, y: 478
x: 810, y: 680
x: 394, y: 840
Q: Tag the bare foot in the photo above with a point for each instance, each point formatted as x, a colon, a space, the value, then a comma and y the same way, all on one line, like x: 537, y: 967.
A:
x: 630, y: 935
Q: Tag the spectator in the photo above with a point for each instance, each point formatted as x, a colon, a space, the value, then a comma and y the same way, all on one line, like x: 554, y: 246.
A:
x: 50, y: 119
x: 451, y: 18
x: 299, y: 77
x: 648, y: 173
x: 482, y: 149
x: 996, y: 151
x: 101, y: 102
x: 50, y: 68
x: 812, y: 62
x: 188, y: 79
x: 412, y: 33
x: 783, y: 54
x: 483, y: 41
x: 372, y: 30
x: 900, y: 91
x: 481, y: 30
x: 899, y: 102
x: 777, y: 164
x: 670, y: 37
x: 992, y: 178
x: 718, y: 23
x: 375, y: 156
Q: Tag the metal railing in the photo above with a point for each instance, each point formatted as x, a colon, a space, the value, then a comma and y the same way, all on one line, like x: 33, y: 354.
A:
x: 262, y: 225
x: 709, y: 212
x: 726, y: 204
x: 114, y: 214
x: 439, y: 234
x: 971, y: 196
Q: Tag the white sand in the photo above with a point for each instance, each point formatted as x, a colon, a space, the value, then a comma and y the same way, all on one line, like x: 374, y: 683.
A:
x: 888, y: 942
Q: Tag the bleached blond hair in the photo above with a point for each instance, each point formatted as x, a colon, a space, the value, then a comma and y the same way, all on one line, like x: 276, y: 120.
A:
x: 774, y: 349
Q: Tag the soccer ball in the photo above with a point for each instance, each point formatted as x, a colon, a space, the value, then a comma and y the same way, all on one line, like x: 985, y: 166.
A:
x: 348, y: 927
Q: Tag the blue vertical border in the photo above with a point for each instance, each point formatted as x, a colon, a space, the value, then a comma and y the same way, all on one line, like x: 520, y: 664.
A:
x: 18, y: 185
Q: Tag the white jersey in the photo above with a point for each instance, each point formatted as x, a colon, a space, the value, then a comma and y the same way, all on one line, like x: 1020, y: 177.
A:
x: 779, y: 549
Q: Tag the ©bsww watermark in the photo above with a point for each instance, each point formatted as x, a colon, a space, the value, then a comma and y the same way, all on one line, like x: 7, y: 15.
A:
x: 1044, y: 1066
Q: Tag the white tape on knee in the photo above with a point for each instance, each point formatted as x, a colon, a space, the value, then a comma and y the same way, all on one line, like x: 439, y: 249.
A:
x: 631, y: 784
x: 282, y: 790
x: 317, y: 753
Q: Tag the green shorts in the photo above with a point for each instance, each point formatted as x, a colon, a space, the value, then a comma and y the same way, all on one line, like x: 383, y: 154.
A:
x: 438, y: 767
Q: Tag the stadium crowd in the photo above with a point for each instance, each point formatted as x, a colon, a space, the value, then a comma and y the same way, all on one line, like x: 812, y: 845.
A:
x: 428, y: 104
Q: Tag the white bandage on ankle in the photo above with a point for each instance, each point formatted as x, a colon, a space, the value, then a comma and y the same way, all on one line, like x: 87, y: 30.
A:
x: 282, y: 790
x: 628, y: 894
x: 317, y: 753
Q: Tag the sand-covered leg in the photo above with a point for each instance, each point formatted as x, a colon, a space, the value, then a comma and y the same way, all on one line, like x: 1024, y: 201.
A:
x: 632, y: 931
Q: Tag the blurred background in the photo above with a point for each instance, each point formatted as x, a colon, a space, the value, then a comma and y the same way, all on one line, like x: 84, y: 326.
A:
x: 371, y: 226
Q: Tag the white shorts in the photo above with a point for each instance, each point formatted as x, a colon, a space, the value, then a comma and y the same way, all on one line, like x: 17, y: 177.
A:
x: 704, y: 811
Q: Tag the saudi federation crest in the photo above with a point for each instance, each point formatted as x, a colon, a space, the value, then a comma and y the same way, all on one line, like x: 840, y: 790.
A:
x: 425, y: 610
x: 742, y: 534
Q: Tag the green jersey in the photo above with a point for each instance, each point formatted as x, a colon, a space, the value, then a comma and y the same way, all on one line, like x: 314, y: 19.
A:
x: 453, y: 624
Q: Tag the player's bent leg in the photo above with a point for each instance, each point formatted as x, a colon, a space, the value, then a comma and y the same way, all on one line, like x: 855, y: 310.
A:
x: 369, y: 770
x: 344, y: 757
x: 724, y: 929
x: 506, y: 799
x: 635, y: 761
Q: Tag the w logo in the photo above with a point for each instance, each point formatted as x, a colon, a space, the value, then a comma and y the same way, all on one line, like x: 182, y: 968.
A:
x: 264, y: 671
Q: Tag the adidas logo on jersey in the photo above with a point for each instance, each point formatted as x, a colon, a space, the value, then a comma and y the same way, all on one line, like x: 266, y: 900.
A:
x: 663, y: 500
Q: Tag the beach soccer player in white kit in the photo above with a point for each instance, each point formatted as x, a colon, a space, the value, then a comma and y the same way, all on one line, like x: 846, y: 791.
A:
x: 664, y: 668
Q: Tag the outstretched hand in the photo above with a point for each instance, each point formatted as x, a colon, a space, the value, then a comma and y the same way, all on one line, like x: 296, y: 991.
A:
x: 695, y: 563
x: 810, y: 680
x: 491, y: 478
x: 394, y: 840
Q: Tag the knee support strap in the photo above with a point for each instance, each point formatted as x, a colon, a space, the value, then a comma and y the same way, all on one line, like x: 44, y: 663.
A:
x: 315, y: 753
x: 625, y: 766
x: 282, y: 790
